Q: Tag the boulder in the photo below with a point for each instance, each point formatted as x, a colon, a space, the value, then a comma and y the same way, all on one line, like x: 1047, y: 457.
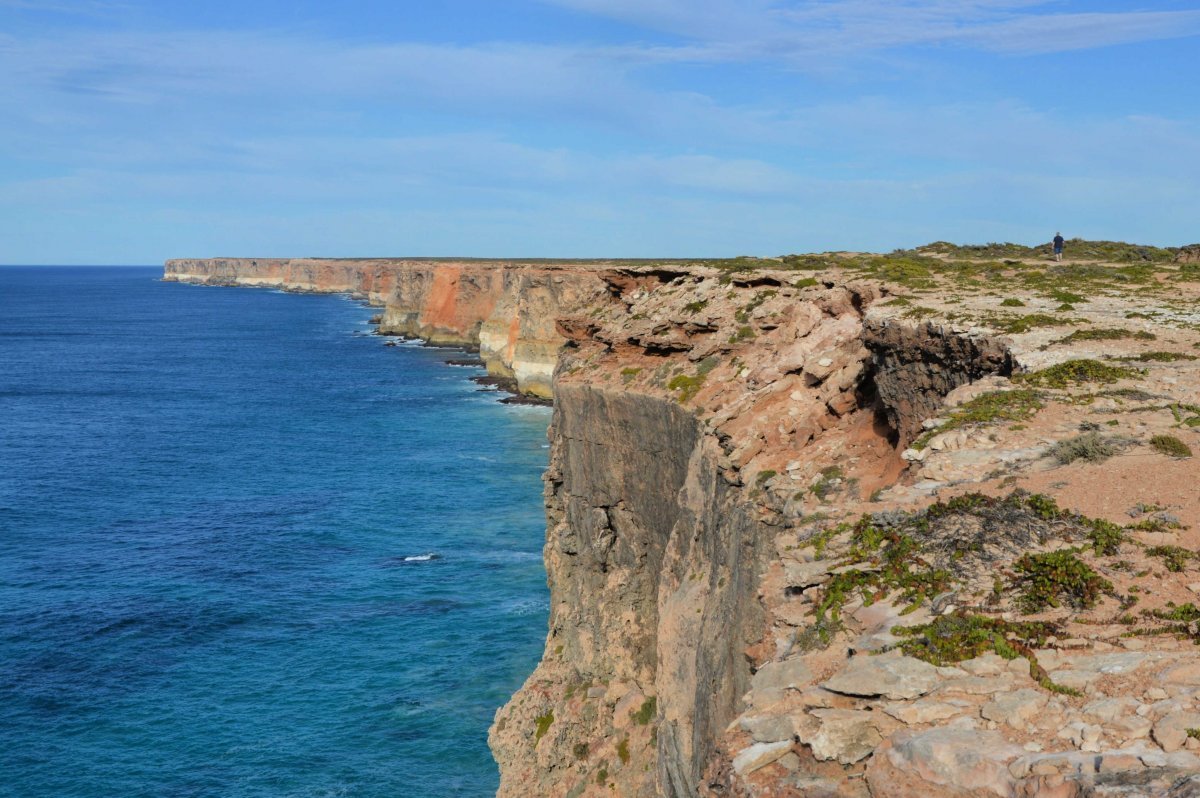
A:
x: 1171, y: 732
x: 847, y: 735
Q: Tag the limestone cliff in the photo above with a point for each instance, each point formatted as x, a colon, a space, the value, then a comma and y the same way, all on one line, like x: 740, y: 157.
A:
x: 692, y: 415
x: 506, y: 310
x: 726, y: 621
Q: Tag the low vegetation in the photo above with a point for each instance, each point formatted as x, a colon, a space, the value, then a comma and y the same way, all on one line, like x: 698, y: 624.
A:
x: 744, y: 333
x: 1161, y: 357
x: 1091, y: 447
x: 1175, y: 558
x: 1015, y: 325
x: 1075, y: 372
x: 1170, y: 446
x: 1075, y: 248
x: 689, y: 385
x: 988, y: 408
x: 646, y: 712
x: 951, y: 639
x: 543, y: 724
x: 1106, y: 334
x: 1049, y: 579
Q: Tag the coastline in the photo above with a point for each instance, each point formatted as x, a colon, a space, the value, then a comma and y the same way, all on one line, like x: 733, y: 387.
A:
x: 719, y: 432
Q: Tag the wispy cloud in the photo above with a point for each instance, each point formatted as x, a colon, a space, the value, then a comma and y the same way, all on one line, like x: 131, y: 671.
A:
x: 802, y: 30
x: 696, y: 127
x: 81, y: 7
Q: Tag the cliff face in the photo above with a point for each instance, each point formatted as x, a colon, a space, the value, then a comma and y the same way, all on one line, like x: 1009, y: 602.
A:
x: 726, y: 621
x: 692, y: 415
x: 505, y: 310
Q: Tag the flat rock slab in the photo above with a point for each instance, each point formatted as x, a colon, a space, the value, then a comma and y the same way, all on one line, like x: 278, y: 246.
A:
x: 925, y: 710
x: 1186, y: 674
x: 805, y: 574
x: 770, y: 681
x: 888, y: 676
x: 1017, y: 708
x: 759, y: 756
x: 769, y: 728
x: 943, y: 762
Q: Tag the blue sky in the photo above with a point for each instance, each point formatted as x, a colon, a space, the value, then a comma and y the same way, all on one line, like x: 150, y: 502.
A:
x: 133, y: 131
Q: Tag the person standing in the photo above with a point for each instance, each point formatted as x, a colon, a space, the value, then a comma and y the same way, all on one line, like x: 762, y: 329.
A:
x: 1058, y: 246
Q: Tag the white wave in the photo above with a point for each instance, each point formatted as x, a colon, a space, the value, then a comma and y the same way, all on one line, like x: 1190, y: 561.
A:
x: 527, y: 607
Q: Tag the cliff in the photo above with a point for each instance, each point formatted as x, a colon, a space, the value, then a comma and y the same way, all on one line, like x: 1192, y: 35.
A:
x: 844, y: 525
x: 857, y: 529
x: 506, y: 310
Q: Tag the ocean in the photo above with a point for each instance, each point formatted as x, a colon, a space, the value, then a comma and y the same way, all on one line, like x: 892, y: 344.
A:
x: 215, y: 510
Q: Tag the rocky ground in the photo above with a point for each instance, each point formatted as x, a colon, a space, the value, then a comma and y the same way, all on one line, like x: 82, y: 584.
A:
x: 975, y: 472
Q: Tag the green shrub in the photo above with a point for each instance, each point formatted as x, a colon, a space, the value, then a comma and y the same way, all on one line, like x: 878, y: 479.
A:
x: 1046, y: 580
x: 543, y: 725
x: 1106, y: 537
x: 1012, y: 302
x: 990, y: 407
x: 1075, y: 371
x: 1170, y: 446
x: 743, y: 315
x: 950, y: 639
x: 1106, y: 334
x: 646, y: 713
x: 1162, y: 357
x: 1175, y: 558
x: 1066, y: 297
x: 1091, y: 446
x: 744, y: 333
x: 687, y: 386
x: 1023, y: 324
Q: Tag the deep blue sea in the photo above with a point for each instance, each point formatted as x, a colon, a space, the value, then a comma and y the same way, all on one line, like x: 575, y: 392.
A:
x: 207, y: 496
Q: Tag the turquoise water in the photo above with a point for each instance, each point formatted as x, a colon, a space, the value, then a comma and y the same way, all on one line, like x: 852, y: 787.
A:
x: 207, y: 496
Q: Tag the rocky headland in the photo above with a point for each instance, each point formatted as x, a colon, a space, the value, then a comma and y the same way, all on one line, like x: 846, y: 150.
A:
x: 923, y: 523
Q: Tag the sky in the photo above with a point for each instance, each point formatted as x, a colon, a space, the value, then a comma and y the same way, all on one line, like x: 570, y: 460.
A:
x: 132, y: 131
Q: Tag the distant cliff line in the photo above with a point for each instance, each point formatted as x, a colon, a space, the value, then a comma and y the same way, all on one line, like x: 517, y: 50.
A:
x: 504, y: 309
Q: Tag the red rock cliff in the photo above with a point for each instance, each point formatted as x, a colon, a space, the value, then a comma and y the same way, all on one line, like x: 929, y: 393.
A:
x: 506, y: 309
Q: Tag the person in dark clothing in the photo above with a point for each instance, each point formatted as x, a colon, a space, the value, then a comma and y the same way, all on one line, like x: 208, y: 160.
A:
x: 1058, y: 245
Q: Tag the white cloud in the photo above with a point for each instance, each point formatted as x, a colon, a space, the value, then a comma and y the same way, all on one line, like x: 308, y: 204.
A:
x: 804, y: 31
